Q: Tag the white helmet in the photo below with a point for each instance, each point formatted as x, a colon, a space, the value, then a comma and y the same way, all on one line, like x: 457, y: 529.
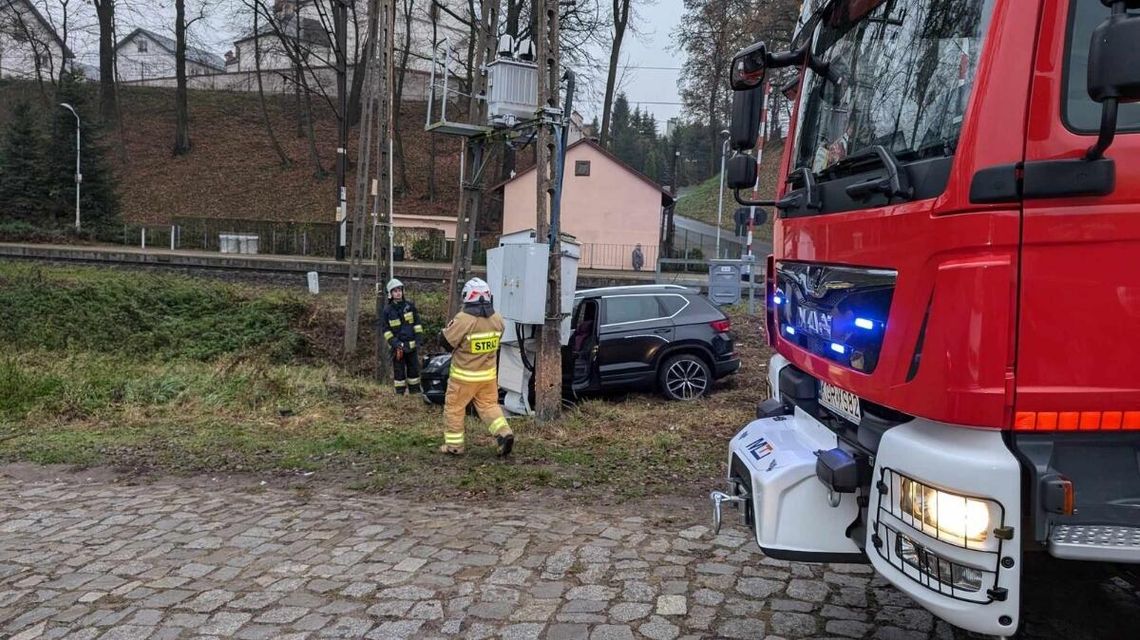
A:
x: 394, y: 284
x: 476, y: 291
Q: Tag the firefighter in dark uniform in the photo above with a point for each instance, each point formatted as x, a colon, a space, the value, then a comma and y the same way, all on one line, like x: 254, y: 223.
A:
x: 403, y: 333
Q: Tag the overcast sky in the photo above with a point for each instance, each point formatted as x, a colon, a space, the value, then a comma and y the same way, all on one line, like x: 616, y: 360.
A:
x: 649, y: 74
x: 652, y: 68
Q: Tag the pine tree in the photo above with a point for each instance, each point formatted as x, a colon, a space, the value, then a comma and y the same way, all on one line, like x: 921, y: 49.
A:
x: 620, y: 125
x: 21, y: 168
x: 99, y: 202
x: 653, y: 163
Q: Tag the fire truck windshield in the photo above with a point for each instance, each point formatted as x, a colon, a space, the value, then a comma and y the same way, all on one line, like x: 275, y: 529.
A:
x: 904, y: 69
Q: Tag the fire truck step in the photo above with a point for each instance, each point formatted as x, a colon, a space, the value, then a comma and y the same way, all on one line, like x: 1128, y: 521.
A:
x: 1095, y: 542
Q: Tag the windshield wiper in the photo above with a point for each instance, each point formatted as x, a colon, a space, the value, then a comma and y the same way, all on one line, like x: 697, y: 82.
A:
x: 944, y: 147
x: 807, y: 198
x: 896, y: 184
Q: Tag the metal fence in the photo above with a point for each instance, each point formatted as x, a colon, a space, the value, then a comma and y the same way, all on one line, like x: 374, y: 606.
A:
x: 691, y: 250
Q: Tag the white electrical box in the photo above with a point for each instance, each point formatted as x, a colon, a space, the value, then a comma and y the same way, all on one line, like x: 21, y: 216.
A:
x: 523, y: 295
x: 498, y: 274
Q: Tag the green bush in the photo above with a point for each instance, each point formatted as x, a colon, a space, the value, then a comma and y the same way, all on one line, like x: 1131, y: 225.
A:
x: 143, y: 315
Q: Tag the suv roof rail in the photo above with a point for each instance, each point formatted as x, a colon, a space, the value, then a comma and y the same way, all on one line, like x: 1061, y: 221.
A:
x: 671, y: 287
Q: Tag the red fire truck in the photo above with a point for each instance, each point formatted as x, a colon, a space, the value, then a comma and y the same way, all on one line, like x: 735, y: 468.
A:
x: 952, y: 296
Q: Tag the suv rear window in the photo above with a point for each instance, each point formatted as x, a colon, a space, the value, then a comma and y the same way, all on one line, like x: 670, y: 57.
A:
x: 1081, y: 114
x: 672, y: 304
x: 620, y: 309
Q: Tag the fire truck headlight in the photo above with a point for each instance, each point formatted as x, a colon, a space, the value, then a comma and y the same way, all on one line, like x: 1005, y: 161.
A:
x: 956, y: 519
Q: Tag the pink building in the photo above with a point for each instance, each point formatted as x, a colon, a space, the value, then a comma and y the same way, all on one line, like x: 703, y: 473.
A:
x: 606, y: 204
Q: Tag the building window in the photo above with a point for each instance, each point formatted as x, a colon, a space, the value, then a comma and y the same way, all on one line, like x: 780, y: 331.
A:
x: 582, y: 168
x: 142, y: 46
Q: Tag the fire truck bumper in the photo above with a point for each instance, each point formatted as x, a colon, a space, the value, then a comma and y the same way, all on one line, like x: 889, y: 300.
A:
x: 941, y: 521
x: 772, y: 481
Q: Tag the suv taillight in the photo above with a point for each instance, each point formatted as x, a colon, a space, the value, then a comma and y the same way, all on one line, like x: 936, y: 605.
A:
x: 721, y: 326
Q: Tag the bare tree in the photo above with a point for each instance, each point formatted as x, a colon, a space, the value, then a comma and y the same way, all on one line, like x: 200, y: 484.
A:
x: 303, y: 44
x: 285, y: 161
x: 29, y: 39
x: 620, y: 18
x: 401, y: 177
x: 181, y: 102
x: 108, y: 88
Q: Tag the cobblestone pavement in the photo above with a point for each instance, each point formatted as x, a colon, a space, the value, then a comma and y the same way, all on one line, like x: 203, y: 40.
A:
x: 105, y: 560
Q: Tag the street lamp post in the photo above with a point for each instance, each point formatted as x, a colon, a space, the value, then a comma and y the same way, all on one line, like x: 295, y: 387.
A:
x: 78, y: 173
x: 720, y: 194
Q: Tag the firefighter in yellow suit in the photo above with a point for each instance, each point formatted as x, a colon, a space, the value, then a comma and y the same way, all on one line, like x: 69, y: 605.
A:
x: 473, y: 336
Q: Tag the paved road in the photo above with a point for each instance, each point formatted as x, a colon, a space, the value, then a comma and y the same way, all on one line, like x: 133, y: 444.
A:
x: 104, y: 560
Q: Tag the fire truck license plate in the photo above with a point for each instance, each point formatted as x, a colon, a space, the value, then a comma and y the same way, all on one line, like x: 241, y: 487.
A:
x: 844, y: 403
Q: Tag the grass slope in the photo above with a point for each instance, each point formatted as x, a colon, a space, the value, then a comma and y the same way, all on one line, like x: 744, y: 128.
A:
x: 700, y: 203
x: 163, y: 374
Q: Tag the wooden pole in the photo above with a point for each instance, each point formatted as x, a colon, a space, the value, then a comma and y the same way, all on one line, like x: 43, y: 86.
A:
x: 548, y: 372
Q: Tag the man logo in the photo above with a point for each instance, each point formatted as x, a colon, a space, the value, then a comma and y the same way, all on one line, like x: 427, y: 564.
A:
x: 760, y: 449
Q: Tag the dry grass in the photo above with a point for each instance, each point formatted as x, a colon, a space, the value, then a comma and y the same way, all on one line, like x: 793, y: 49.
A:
x: 244, y: 413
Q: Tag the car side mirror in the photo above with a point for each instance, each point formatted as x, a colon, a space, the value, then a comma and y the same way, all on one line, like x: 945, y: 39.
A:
x: 746, y: 109
x: 741, y: 172
x: 1114, y: 68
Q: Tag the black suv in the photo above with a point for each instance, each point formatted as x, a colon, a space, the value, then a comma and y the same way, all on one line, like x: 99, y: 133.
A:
x: 663, y: 337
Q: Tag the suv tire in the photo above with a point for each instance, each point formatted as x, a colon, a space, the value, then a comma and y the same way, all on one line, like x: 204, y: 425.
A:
x: 685, y: 377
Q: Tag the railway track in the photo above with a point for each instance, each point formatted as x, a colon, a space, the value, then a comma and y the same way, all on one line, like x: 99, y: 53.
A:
x: 259, y: 267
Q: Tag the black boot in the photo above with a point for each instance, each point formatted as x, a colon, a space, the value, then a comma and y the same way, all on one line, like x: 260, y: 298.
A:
x: 505, y: 444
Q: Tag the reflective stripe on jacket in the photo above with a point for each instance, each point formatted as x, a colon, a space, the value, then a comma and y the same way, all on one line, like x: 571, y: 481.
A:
x: 476, y: 342
x: 401, y: 323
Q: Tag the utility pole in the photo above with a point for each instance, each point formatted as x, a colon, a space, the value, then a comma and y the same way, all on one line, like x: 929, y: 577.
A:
x: 548, y: 372
x: 383, y: 206
x: 669, y: 212
x: 340, y: 16
x: 375, y: 121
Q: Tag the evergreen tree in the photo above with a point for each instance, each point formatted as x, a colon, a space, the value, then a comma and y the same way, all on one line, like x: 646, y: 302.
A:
x: 649, y: 126
x: 99, y: 202
x: 623, y: 136
x: 620, y: 125
x: 653, y: 163
x: 21, y: 168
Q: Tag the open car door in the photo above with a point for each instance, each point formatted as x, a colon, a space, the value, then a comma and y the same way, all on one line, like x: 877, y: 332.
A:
x: 583, y: 348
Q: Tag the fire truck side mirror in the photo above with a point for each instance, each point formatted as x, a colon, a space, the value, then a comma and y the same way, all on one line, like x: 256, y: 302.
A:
x: 746, y: 109
x: 748, y: 67
x: 1114, y: 57
x: 741, y: 172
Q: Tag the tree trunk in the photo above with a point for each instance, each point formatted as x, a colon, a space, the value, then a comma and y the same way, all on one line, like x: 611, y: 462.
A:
x: 469, y: 87
x: 431, y: 170
x: 108, y: 95
x: 514, y: 14
x: 298, y: 69
x: 621, y: 20
x: 63, y: 35
x: 401, y: 177
x: 285, y: 161
x: 314, y: 154
x: 181, y: 106
x: 355, y: 99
